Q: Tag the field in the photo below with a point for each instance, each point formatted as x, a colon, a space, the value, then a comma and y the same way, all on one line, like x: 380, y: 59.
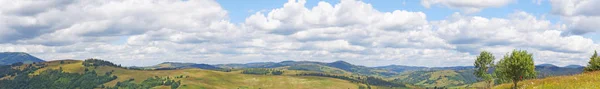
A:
x: 589, y: 80
x: 209, y: 79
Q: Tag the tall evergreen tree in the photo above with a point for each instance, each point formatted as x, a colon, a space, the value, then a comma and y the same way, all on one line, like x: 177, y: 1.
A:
x: 594, y: 63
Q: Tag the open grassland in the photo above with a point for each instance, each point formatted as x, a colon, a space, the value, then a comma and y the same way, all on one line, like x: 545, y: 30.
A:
x: 589, y: 80
x: 71, y: 66
x: 442, y: 78
x: 209, y: 79
x: 199, y: 78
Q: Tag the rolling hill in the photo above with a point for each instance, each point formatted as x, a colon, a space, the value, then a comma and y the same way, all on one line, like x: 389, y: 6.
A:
x: 7, y: 58
x: 188, y: 78
x: 295, y: 73
x: 437, y: 78
x: 420, y: 76
x: 333, y: 67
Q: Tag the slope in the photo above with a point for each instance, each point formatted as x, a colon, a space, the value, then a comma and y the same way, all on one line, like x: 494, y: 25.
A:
x: 580, y: 81
x: 437, y: 78
x: 199, y: 78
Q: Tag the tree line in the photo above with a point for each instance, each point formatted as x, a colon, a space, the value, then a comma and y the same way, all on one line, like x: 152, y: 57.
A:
x: 369, y: 80
x: 261, y: 71
x: 56, y: 79
x: 148, y: 83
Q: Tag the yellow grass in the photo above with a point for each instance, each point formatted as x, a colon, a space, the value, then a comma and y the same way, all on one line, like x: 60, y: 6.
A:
x: 209, y: 79
x: 589, y: 80
x: 71, y: 66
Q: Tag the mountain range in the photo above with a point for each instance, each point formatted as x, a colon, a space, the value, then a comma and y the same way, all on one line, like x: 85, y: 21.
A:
x: 418, y: 76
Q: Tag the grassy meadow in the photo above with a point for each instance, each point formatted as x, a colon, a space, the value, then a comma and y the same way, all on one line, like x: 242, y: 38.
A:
x: 209, y: 79
x: 589, y: 80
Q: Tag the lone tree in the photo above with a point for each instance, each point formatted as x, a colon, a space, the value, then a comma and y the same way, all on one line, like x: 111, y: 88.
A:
x: 483, y: 63
x: 515, y: 67
x: 594, y: 63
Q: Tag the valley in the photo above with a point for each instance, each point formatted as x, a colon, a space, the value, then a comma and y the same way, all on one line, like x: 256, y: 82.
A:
x: 286, y: 74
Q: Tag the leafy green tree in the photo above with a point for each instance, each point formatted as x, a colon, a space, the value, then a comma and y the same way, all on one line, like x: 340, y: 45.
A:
x: 594, y: 63
x: 276, y: 72
x: 483, y: 63
x: 515, y: 67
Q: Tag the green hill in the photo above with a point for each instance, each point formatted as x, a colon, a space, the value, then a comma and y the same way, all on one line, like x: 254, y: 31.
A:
x: 7, y: 58
x: 333, y: 67
x: 189, y: 78
x: 437, y: 78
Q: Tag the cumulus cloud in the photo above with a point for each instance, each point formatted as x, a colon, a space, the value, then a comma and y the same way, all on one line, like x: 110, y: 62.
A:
x: 199, y: 31
x: 153, y: 30
x: 63, y: 22
x: 294, y: 17
x: 353, y: 31
x: 467, y: 6
x: 521, y: 31
x: 581, y: 16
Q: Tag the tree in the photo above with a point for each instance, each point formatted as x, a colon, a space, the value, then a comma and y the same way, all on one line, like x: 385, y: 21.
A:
x: 515, y: 67
x: 594, y: 63
x: 483, y: 63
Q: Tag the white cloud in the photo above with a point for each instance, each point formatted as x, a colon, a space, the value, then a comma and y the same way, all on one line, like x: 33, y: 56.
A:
x: 580, y: 16
x: 88, y: 18
x: 520, y: 31
x: 337, y: 45
x: 294, y: 17
x: 467, y: 6
x: 575, y: 7
x: 199, y: 31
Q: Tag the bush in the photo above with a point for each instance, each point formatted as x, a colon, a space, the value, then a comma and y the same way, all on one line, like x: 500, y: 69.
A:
x: 256, y: 71
x: 147, y: 84
x: 277, y: 72
x: 98, y: 62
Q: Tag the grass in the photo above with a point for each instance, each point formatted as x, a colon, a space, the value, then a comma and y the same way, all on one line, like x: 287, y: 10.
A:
x: 71, y: 66
x: 442, y: 78
x: 209, y: 79
x: 589, y: 80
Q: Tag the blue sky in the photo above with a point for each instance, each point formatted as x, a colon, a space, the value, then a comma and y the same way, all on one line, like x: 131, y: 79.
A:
x: 365, y: 32
x: 239, y: 10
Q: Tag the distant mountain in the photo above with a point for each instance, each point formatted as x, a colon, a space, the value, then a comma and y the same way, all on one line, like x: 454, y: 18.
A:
x: 7, y: 58
x: 176, y: 65
x: 361, y: 70
x: 342, y: 65
x: 337, y: 67
x: 251, y: 65
x: 401, y: 68
x: 574, y: 66
x: 546, y: 70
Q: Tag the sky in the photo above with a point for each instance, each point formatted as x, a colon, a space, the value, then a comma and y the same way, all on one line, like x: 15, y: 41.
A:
x: 431, y: 33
